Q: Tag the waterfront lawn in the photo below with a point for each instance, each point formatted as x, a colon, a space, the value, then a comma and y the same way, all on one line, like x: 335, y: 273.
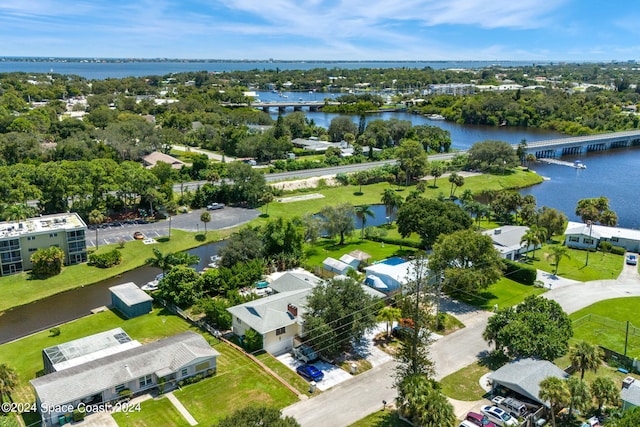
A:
x: 465, y: 384
x: 153, y: 413
x: 601, y: 265
x: 387, y: 418
x: 21, y: 289
x: 317, y: 252
x: 610, y: 330
x: 504, y: 293
x: 24, y: 355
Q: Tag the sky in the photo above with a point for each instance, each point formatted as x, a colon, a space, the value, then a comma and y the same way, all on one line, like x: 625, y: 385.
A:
x: 425, y: 30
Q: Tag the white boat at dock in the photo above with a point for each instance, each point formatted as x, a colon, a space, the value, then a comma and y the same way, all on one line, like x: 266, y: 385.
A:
x: 435, y: 117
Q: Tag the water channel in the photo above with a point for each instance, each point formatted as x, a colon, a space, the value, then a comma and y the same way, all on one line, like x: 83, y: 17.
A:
x: 614, y: 174
x: 70, y: 305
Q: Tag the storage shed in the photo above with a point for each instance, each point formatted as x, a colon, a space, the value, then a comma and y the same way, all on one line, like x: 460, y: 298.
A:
x: 130, y: 300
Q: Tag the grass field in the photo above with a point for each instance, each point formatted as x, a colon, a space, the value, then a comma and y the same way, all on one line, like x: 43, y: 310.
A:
x: 504, y: 293
x: 607, y: 325
x: 20, y: 289
x: 465, y: 384
x: 324, y: 248
x: 387, y: 418
x: 601, y: 265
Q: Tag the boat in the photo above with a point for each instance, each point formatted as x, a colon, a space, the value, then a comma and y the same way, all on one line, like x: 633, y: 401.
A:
x: 153, y: 284
x: 435, y: 117
x: 579, y: 165
x: 215, y: 261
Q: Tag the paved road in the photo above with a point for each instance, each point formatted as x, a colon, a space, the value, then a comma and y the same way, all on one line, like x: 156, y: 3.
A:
x: 220, y: 219
x: 350, y: 401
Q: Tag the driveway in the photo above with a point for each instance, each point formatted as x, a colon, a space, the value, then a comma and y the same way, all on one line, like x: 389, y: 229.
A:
x: 220, y: 219
x: 348, y: 402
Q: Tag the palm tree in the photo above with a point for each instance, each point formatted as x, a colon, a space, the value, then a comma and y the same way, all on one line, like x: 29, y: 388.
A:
x: 391, y: 201
x: 604, y: 390
x: 362, y: 212
x: 579, y: 392
x: 205, y: 218
x: 162, y: 261
x: 421, y: 400
x: 557, y: 253
x: 586, y: 357
x: 95, y: 218
x: 8, y: 381
x: 389, y: 315
x: 529, y: 238
x: 554, y: 390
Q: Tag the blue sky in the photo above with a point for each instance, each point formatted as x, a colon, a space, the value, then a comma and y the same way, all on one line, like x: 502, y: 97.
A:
x: 551, y: 30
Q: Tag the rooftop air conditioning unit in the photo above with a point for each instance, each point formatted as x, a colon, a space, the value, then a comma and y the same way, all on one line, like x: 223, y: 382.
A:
x: 626, y: 383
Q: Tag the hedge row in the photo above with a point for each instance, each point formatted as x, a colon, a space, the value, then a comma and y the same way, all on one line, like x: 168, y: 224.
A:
x: 106, y: 260
x: 520, y: 272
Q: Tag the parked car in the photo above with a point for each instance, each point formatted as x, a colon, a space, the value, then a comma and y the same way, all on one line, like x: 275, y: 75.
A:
x: 498, y: 416
x: 138, y: 235
x: 513, y: 406
x: 215, y: 206
x: 479, y: 420
x: 303, y: 352
x: 310, y: 372
x: 632, y: 259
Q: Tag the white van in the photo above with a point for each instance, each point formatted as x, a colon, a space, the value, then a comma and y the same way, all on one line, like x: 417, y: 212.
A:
x: 511, y: 405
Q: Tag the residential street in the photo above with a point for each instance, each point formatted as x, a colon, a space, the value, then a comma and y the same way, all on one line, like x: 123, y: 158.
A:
x: 352, y: 400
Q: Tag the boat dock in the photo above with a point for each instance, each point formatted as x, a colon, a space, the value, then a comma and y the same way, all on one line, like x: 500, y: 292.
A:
x: 576, y: 164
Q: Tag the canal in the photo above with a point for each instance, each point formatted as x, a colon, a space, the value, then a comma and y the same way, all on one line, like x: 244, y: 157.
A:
x: 61, y: 308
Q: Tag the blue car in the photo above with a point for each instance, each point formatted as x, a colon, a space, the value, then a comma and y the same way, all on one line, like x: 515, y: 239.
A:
x: 310, y: 372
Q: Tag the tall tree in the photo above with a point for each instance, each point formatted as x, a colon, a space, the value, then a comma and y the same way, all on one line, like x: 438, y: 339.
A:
x: 95, y: 218
x: 605, y: 390
x: 413, y: 159
x: 257, y: 416
x: 552, y: 220
x: 531, y: 238
x: 205, y: 217
x: 362, y: 212
x: 389, y: 315
x: 437, y: 169
x: 489, y: 154
x: 596, y: 210
x: 554, y: 390
x: 391, y: 201
x: 557, y: 253
x: 580, y: 397
x: 586, y: 356
x: 338, y: 220
x: 456, y: 181
x: 467, y: 261
x: 421, y: 400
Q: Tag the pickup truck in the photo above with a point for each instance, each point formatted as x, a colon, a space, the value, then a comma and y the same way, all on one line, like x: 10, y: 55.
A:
x: 304, y: 353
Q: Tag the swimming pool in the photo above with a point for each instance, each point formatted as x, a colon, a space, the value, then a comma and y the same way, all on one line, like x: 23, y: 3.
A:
x: 392, y: 261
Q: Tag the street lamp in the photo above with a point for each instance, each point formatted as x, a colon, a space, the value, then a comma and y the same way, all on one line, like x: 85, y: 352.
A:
x: 590, y: 225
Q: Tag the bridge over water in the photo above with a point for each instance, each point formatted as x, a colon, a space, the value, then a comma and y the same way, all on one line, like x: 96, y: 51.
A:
x: 282, y: 105
x: 583, y: 144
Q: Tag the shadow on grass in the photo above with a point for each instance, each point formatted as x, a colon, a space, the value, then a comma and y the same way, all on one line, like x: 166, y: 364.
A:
x: 201, y: 237
x: 492, y: 360
x: 264, y: 215
x: 358, y: 193
x: 164, y: 239
x: 480, y: 299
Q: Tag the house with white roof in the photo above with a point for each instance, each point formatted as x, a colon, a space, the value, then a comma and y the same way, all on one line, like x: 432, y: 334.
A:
x: 388, y: 275
x: 279, y: 317
x: 104, y: 374
x: 507, y: 241
x: 584, y: 236
x: 630, y: 393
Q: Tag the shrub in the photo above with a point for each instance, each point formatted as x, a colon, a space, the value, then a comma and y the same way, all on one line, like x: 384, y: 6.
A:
x: 252, y: 340
x: 520, y: 272
x: 106, y: 260
x: 47, y: 262
x: 605, y: 246
x: 54, y: 332
x: 78, y: 415
x: 618, y: 250
x: 342, y: 178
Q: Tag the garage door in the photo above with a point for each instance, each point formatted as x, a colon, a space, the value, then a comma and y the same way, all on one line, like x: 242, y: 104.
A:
x: 281, y: 346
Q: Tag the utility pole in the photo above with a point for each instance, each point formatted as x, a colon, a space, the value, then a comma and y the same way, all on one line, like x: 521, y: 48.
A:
x: 590, y: 225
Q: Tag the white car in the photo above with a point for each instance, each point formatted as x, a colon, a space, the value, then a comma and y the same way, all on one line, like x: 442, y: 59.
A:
x: 498, y: 416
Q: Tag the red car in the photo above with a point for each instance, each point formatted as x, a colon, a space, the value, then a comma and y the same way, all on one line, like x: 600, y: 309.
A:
x: 479, y: 420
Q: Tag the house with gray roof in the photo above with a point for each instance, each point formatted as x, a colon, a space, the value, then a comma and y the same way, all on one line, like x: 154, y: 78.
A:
x: 507, y: 241
x: 137, y: 369
x: 524, y: 376
x: 630, y: 393
x: 130, y: 300
x: 582, y: 236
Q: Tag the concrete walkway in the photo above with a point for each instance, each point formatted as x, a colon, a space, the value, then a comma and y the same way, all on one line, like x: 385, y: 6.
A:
x: 180, y: 407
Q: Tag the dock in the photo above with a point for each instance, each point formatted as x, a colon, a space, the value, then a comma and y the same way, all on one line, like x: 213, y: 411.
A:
x: 576, y: 164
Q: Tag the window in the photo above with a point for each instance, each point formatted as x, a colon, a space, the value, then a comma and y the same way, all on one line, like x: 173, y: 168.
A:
x: 614, y: 239
x: 239, y: 321
x: 588, y: 241
x: 145, y: 381
x: 119, y: 388
x: 31, y: 237
x: 574, y: 239
x: 53, y: 234
x: 184, y: 372
x: 281, y: 331
x: 33, y: 249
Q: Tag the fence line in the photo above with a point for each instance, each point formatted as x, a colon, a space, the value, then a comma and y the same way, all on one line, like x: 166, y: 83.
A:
x: 606, y: 321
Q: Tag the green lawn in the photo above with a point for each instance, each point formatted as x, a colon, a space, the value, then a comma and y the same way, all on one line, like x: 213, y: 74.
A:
x: 505, y: 293
x: 20, y: 289
x: 465, y: 383
x: 153, y: 413
x: 610, y: 330
x: 324, y: 248
x: 381, y: 418
x: 285, y: 373
x: 25, y: 356
x: 601, y: 265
